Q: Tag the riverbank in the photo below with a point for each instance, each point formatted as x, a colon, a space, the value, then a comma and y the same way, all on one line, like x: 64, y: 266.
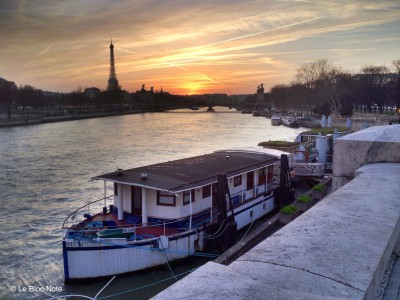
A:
x: 18, y: 120
x: 359, y: 120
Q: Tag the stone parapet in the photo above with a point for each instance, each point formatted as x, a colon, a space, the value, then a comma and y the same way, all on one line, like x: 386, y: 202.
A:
x: 375, y: 144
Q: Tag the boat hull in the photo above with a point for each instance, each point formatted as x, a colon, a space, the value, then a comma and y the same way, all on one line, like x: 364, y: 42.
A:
x: 107, y: 257
x: 276, y: 122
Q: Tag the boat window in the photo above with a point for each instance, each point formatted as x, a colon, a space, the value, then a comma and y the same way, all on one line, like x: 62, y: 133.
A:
x: 262, y: 176
x: 250, y: 180
x: 206, y: 191
x: 115, y: 189
x: 237, y: 181
x: 186, y: 197
x: 165, y: 198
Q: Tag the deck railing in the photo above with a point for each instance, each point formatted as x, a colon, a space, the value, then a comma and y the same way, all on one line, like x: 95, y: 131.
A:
x: 93, y: 232
x: 255, y: 191
x: 70, y: 219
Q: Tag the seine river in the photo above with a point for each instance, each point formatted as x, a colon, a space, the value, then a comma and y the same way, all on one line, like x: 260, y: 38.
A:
x: 45, y: 174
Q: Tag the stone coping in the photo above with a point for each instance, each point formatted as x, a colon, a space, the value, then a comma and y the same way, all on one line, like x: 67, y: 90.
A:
x: 376, y: 144
x: 337, y: 249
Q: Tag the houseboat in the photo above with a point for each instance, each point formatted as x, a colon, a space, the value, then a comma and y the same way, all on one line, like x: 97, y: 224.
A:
x: 317, y: 144
x: 290, y: 121
x: 276, y: 120
x: 167, y: 211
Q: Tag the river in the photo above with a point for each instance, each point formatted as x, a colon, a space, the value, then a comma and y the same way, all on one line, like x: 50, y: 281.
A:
x: 45, y: 175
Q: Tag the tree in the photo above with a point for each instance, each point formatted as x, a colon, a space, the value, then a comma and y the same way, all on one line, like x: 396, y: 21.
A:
x: 374, y: 81
x: 280, y: 97
x: 7, y: 96
x: 296, y: 98
x: 324, y: 83
x: 396, y: 64
x: 337, y: 90
x: 27, y: 96
x: 312, y: 73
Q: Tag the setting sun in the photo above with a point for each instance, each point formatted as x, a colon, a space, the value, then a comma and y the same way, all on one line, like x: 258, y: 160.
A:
x: 192, y: 87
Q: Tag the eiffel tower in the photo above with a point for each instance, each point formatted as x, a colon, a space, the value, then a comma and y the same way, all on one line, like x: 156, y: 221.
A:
x: 112, y: 80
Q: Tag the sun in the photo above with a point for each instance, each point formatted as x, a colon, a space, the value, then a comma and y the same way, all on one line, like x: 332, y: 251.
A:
x: 192, y: 87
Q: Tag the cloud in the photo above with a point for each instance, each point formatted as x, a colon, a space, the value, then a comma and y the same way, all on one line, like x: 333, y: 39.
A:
x: 47, y: 49
x: 59, y: 45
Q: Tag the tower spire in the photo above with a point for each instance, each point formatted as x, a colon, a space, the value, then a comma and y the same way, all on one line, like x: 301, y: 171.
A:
x: 112, y: 80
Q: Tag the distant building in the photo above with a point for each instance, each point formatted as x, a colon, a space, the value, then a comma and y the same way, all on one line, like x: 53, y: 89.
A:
x: 7, y: 84
x: 261, y: 101
x: 92, y: 92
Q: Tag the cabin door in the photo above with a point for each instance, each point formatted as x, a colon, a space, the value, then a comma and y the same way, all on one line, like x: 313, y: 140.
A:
x: 249, y: 185
x: 136, y: 200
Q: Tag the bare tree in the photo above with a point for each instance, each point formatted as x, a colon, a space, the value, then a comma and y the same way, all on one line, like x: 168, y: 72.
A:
x: 310, y: 74
x: 324, y: 82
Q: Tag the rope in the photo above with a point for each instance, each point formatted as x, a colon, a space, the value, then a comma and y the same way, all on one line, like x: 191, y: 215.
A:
x: 123, y: 292
x: 213, y: 236
x: 166, y: 259
x: 248, y: 230
x: 95, y: 297
x: 146, y: 286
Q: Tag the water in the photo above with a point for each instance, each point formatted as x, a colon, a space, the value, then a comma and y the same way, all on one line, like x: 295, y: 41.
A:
x: 45, y: 174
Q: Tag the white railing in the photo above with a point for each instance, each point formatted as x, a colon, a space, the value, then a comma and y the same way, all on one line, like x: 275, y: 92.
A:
x: 70, y: 220
x: 244, y: 195
x: 91, y: 232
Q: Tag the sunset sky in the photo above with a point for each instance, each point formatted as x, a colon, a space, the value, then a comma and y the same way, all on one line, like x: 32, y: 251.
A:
x: 190, y: 46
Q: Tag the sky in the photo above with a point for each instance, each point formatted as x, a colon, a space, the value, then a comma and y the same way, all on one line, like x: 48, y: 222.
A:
x: 190, y: 46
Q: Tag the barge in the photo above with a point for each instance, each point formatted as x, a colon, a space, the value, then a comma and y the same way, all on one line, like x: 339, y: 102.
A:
x: 168, y: 211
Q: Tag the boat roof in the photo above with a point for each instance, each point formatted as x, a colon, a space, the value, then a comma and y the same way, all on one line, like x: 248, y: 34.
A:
x: 188, y: 173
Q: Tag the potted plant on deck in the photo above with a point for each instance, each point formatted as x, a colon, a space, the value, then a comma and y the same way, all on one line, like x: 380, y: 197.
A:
x: 288, y: 213
x: 304, y: 202
x: 319, y: 191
